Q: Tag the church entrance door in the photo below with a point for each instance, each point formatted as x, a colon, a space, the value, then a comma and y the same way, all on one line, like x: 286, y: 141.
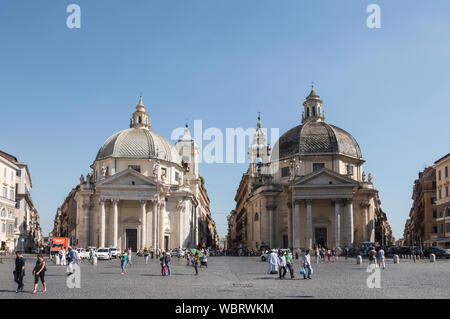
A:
x: 321, y: 236
x: 131, y: 239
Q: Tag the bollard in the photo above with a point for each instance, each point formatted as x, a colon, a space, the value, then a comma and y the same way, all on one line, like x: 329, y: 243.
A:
x: 57, y: 261
x: 94, y: 261
x: 432, y: 258
x: 396, y: 259
x: 359, y: 260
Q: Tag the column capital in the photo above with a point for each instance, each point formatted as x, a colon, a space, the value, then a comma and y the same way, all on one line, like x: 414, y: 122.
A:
x: 143, y: 202
x: 308, y: 201
x: 115, y: 201
x: 102, y: 201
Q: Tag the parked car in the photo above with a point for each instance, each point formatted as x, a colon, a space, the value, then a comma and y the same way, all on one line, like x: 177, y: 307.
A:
x: 83, y: 253
x: 103, y: 253
x: 440, y: 252
x: 114, y: 252
x: 264, y: 255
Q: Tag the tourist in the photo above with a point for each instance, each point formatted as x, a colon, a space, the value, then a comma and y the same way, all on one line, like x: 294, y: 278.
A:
x: 19, y: 271
x: 306, y: 263
x: 282, y: 263
x: 62, y: 256
x: 168, y: 259
x: 129, y: 257
x: 187, y: 255
x: 290, y: 264
x: 123, y: 262
x: 152, y: 252
x: 39, y: 272
x: 372, y: 256
x: 381, y: 258
x: 197, y: 259
x: 329, y: 255
x: 204, y: 261
x: 273, y: 262
x: 317, y: 254
x: 162, y: 260
x: 146, y: 255
x: 346, y: 253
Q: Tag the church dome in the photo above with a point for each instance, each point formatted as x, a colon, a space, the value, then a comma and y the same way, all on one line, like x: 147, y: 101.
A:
x: 138, y: 142
x: 317, y: 138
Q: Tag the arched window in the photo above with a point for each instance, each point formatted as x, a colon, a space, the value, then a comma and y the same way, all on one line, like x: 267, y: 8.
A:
x: 256, y: 217
x: 313, y: 111
x: 307, y: 112
x: 140, y: 119
x: 3, y: 212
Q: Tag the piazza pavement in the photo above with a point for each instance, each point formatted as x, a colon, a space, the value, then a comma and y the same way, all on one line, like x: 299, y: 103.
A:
x: 233, y: 277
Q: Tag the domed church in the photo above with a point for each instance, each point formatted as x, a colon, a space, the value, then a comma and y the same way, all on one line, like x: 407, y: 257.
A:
x: 142, y: 192
x: 310, y: 189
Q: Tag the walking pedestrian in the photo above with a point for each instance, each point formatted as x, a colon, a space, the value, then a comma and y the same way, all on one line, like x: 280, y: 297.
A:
x: 162, y: 260
x: 123, y: 262
x: 19, y: 271
x: 151, y: 252
x: 188, y: 256
x: 62, y: 256
x: 372, y: 256
x: 197, y: 259
x: 146, y: 255
x: 381, y: 258
x: 306, y: 262
x: 129, y: 257
x: 282, y: 261
x: 39, y: 273
x: 317, y: 254
x: 273, y: 262
x: 290, y: 264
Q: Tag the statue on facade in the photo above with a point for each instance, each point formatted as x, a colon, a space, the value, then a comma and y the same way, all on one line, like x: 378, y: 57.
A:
x: 155, y: 169
x: 292, y: 169
x: 82, y: 181
x: 369, y: 178
x: 363, y: 176
x: 103, y: 171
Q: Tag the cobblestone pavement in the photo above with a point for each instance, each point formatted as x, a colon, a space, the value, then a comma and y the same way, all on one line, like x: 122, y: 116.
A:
x: 234, y: 277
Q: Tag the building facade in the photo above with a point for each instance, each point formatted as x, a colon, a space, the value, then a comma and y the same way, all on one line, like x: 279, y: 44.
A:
x: 19, y: 219
x: 309, y: 190
x: 142, y: 191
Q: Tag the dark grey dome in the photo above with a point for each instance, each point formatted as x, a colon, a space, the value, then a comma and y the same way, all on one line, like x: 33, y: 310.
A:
x: 317, y: 138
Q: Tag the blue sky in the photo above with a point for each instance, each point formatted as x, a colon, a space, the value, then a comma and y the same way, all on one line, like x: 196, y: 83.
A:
x: 63, y: 91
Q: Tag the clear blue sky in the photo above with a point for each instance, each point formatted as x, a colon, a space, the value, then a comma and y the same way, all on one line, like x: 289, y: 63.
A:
x: 64, y: 91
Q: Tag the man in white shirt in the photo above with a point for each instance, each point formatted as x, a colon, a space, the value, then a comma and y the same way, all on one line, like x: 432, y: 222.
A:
x: 62, y: 256
x: 273, y: 262
x: 306, y: 262
x: 381, y: 258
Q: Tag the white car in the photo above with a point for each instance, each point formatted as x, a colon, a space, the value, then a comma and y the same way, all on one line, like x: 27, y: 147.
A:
x: 83, y: 253
x: 114, y: 252
x: 264, y: 256
x: 103, y: 253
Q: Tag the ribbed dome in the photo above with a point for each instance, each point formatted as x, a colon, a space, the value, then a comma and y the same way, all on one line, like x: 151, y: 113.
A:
x: 317, y: 138
x: 138, y: 143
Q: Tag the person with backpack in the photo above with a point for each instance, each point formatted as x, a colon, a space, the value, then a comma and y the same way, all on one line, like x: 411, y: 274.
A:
x: 39, y: 273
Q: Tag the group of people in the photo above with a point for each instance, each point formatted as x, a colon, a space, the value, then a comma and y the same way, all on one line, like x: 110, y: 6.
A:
x: 377, y: 257
x: 282, y: 260
x: 323, y: 253
x: 38, y: 272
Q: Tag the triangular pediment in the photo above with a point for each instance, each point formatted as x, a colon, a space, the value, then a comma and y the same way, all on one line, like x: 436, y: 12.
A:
x: 128, y: 177
x: 324, y: 177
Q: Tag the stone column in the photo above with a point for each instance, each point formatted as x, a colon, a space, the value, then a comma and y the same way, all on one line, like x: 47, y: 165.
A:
x: 154, y: 224
x: 272, y: 225
x: 115, y: 221
x: 102, y: 223
x: 337, y: 223
x: 309, y: 223
x: 143, y: 223
x: 350, y: 223
x: 297, y: 225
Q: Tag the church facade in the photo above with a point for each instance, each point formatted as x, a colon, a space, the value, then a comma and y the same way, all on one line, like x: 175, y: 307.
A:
x: 309, y: 190
x: 142, y: 192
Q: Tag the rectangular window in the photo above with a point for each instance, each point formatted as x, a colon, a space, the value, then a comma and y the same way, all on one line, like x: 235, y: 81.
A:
x: 446, y: 171
x: 434, y: 229
x: 163, y: 173
x: 15, y: 222
x: 3, y: 227
x: 447, y: 228
x: 11, y: 194
x: 440, y: 229
x: 5, y: 192
x: 18, y: 203
x: 12, y: 176
x: 433, y: 200
x: 177, y: 176
x: 285, y: 172
x: 10, y: 229
x: 439, y: 175
x: 446, y: 191
x: 318, y: 166
x: 434, y: 213
x: 349, y: 169
x: 19, y: 172
x: 137, y: 168
x: 440, y: 193
x: 4, y: 172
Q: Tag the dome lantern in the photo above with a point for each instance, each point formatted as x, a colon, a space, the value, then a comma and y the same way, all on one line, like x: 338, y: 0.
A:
x: 313, y: 108
x: 140, y: 116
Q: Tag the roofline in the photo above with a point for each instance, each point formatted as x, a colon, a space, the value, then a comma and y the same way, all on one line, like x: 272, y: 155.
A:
x: 445, y: 156
x: 10, y: 157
